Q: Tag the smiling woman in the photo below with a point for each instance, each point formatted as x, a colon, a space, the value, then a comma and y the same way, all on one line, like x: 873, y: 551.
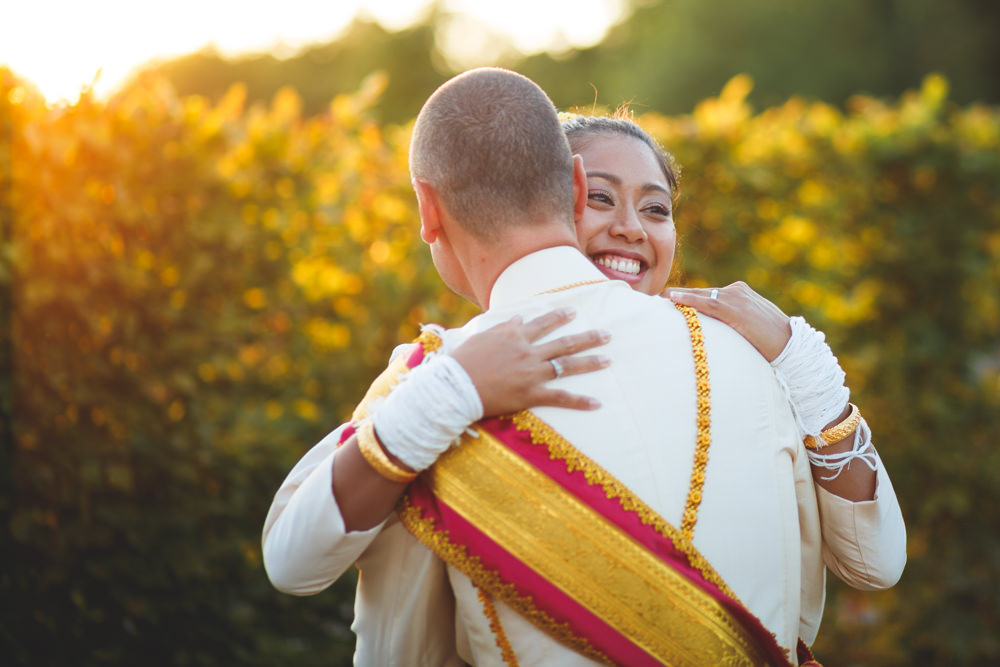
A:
x: 98, y: 44
x: 627, y: 229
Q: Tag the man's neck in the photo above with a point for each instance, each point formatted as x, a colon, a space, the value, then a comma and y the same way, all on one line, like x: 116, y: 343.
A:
x: 483, y: 263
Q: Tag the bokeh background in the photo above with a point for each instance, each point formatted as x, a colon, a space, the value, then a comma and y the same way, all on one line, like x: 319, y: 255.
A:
x: 202, y: 267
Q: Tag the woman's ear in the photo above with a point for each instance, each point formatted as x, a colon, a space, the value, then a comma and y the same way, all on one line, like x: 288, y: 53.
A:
x: 430, y: 211
x: 579, y: 188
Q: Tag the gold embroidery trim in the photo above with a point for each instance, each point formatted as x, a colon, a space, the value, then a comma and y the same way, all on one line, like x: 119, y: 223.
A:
x: 393, y: 373
x: 580, y: 552
x: 456, y: 555
x: 704, y: 408
x: 430, y: 341
x: 572, y: 285
x: 506, y: 650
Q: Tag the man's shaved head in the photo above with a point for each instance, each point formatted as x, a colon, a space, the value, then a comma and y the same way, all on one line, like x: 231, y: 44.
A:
x: 490, y: 144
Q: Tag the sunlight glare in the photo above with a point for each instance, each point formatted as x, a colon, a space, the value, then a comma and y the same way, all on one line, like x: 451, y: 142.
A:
x: 535, y: 26
x: 61, y: 45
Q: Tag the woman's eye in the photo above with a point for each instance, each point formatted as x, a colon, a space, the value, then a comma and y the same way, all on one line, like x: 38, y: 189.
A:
x: 658, y: 210
x: 599, y: 196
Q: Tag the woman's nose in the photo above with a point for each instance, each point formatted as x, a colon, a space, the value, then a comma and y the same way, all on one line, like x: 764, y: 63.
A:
x: 628, y: 226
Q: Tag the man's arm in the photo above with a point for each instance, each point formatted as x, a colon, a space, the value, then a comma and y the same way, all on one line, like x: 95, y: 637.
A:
x: 767, y: 328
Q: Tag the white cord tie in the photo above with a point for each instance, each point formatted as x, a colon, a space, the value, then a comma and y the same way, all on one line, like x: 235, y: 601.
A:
x: 862, y: 450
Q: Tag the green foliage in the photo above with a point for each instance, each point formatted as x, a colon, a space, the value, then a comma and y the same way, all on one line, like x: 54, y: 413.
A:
x: 669, y: 54
x: 665, y: 56
x: 6, y: 310
x: 188, y: 280
x: 202, y: 290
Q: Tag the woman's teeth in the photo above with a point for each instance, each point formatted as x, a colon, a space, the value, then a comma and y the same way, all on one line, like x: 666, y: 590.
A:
x: 619, y: 264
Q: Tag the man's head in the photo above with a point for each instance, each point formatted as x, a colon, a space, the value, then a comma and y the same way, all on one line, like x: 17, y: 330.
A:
x: 490, y: 145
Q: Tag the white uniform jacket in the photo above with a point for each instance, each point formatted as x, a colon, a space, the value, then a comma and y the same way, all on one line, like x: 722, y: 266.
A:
x: 763, y: 524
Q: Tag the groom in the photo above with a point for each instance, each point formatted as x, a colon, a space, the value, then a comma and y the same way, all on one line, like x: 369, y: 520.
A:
x: 554, y: 537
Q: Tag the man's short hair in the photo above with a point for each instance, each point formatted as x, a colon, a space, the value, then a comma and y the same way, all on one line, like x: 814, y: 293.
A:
x: 490, y: 143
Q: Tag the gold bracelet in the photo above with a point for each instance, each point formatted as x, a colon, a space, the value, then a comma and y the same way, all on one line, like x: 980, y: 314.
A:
x: 838, y: 432
x: 376, y: 456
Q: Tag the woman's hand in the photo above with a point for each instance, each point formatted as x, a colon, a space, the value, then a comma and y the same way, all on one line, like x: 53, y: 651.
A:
x: 511, y: 372
x: 755, y: 318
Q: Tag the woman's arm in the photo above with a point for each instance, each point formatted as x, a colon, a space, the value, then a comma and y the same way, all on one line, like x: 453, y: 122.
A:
x: 323, y: 516
x: 507, y: 370
x: 755, y: 318
x: 864, y: 537
x: 768, y: 329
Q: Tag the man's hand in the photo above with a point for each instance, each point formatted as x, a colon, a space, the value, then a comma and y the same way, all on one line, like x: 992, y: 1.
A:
x: 511, y: 372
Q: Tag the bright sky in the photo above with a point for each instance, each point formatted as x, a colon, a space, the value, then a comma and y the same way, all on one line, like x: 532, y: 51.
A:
x: 60, y: 45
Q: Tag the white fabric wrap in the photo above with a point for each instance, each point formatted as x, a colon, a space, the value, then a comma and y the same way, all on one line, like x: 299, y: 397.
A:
x: 813, y: 381
x: 427, y: 411
x: 811, y: 377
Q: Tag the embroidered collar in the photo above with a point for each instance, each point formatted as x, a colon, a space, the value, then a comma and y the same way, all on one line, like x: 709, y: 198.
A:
x: 542, y: 271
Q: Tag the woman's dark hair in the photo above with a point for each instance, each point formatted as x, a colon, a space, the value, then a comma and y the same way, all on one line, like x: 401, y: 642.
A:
x: 579, y: 129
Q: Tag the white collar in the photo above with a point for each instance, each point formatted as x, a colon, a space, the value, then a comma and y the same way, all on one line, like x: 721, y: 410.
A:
x: 542, y: 271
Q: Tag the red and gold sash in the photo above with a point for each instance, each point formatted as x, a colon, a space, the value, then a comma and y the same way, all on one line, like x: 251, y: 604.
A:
x: 535, y: 523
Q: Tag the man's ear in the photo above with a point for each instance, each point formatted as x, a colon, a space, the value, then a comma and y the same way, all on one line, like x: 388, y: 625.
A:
x: 579, y: 188
x: 429, y: 207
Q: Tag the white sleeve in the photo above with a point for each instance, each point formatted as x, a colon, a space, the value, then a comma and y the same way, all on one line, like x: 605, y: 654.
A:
x: 864, y: 543
x: 305, y: 544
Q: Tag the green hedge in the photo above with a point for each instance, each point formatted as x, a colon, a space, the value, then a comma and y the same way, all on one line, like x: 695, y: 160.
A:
x: 200, y: 292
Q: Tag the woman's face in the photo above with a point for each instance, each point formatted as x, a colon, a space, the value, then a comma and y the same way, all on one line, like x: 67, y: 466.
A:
x: 627, y: 228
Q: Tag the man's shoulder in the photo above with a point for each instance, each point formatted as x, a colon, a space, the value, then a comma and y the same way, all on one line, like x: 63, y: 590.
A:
x: 654, y: 319
x: 727, y: 348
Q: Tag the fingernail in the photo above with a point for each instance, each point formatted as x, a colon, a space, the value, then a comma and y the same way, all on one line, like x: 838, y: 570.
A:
x: 604, y: 335
x: 569, y: 311
x: 603, y: 360
x: 675, y: 295
x: 593, y: 403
